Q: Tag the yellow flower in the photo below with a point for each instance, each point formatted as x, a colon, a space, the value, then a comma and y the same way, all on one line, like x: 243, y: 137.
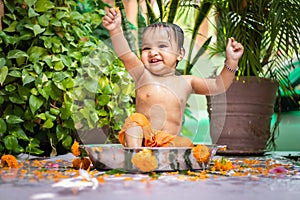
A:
x: 9, y: 161
x: 201, y: 153
x: 75, y: 148
x: 144, y: 161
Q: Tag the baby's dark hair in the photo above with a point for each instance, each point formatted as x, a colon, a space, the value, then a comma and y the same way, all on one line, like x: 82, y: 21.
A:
x: 173, y: 30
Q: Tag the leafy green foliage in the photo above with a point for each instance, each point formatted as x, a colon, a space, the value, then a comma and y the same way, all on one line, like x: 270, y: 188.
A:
x: 56, y: 77
x: 269, y: 31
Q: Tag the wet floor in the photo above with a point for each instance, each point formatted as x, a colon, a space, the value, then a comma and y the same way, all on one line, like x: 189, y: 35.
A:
x: 267, y: 177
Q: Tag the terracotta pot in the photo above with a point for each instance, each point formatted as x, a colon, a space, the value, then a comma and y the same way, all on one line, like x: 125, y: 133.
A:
x: 241, y: 117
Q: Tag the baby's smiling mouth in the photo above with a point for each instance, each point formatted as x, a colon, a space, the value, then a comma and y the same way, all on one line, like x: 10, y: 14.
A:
x: 155, y: 60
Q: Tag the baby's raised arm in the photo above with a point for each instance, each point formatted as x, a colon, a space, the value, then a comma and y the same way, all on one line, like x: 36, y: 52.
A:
x: 234, y: 51
x: 112, y: 22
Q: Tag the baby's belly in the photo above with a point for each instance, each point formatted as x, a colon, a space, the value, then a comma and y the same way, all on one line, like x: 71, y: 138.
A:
x: 162, y: 107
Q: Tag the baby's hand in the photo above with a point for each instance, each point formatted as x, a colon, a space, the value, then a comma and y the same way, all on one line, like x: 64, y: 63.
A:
x: 112, y: 19
x: 234, y: 49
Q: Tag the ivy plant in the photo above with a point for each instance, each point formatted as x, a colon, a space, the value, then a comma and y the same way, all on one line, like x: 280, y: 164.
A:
x: 56, y: 78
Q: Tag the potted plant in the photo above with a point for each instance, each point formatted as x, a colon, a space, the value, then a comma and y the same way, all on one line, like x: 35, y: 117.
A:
x: 269, y: 31
x: 56, y: 78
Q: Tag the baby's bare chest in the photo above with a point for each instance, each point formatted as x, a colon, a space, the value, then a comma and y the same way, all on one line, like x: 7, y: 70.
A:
x: 160, y: 94
x: 162, y: 90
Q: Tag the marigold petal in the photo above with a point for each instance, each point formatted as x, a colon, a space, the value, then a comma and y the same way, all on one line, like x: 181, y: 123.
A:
x: 9, y: 161
x: 75, y: 148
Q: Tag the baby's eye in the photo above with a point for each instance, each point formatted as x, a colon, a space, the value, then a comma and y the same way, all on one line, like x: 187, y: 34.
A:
x: 163, y: 46
x: 145, y: 49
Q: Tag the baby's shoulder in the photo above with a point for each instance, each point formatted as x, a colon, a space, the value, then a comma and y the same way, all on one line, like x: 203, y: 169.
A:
x: 187, y: 78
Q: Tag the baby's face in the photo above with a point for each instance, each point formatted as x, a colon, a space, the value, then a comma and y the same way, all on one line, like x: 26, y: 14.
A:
x: 160, y: 51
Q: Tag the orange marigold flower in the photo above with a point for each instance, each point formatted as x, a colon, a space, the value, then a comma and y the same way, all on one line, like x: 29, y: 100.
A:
x: 9, y: 161
x: 145, y: 161
x: 81, y: 163
x: 75, y: 148
x: 201, y: 153
x: 223, y: 165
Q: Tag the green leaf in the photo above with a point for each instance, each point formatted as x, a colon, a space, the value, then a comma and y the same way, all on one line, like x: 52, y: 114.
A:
x: 43, y: 20
x: 10, y: 39
x: 43, y: 5
x: 91, y: 85
x: 18, y: 133
x: 61, y: 14
x: 26, y: 35
x: 29, y: 126
x: 66, y: 110
x: 61, y: 132
x: 12, y: 27
x: 2, y: 62
x: 68, y: 83
x: 10, y: 88
x: 37, y: 29
x: 35, y: 103
x: 69, y: 123
x: 52, y: 90
x: 107, y: 90
x: 24, y: 92
x: 16, y: 54
x: 33, y: 150
x: 10, y: 142
x: 3, y: 74
x: 42, y: 116
x: 79, y: 32
x: 38, y: 68
x: 3, y: 127
x: 27, y: 78
x: 1, y: 99
x: 20, y: 61
x: 13, y: 119
x: 59, y: 76
x: 103, y: 100
x: 58, y: 66
x: 54, y: 111
x: 14, y: 98
x: 48, y: 124
x: 76, y: 15
x: 50, y: 116
x: 30, y: 2
x: 55, y: 22
x: 66, y: 60
x: 18, y: 149
x: 43, y: 92
x: 35, y: 53
x: 1, y: 148
x: 32, y: 13
x: 16, y: 74
x: 67, y: 142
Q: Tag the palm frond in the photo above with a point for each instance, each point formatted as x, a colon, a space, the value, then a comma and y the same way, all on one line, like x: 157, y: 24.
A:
x: 268, y: 29
x: 171, y: 10
x: 203, y: 11
x: 152, y: 18
x: 161, y: 8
